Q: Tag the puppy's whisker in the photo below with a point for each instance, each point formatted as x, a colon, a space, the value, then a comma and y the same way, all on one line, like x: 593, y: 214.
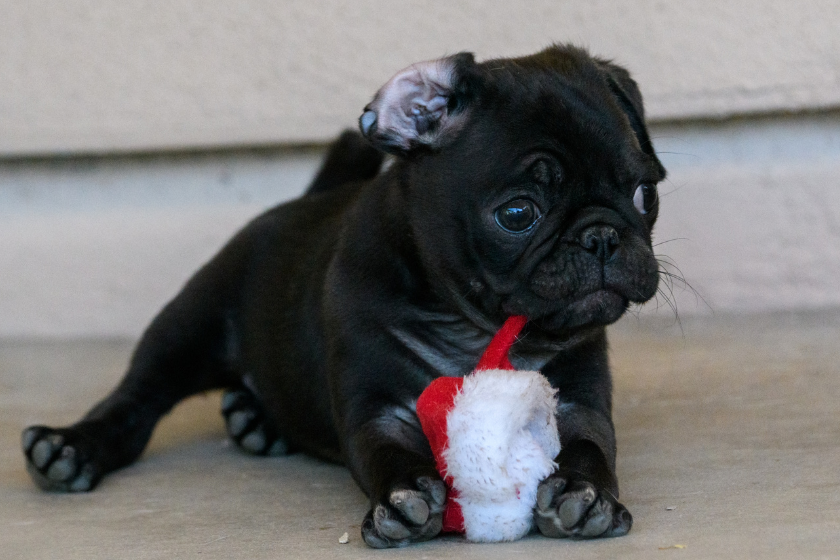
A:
x: 658, y: 152
x: 670, y: 277
x: 670, y: 240
x: 674, y: 189
x: 670, y: 285
x: 635, y: 309
x: 666, y: 261
x: 673, y: 305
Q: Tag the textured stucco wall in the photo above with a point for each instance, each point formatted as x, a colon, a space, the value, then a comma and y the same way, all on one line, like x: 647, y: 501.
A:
x: 92, y: 247
x: 95, y: 247
x: 94, y: 75
x: 753, y: 209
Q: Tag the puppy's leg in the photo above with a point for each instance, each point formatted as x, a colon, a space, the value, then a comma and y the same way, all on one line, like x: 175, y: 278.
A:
x: 391, y: 460
x: 246, y: 424
x: 185, y: 350
x: 580, y: 500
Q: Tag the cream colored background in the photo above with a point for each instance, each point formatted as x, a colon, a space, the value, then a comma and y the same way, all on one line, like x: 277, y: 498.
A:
x: 102, y: 75
x: 94, y: 242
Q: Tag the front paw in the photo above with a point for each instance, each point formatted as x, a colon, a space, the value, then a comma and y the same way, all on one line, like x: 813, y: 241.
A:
x: 409, y: 513
x: 570, y: 507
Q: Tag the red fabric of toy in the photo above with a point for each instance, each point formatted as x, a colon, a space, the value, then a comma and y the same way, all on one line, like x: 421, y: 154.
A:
x: 494, y: 437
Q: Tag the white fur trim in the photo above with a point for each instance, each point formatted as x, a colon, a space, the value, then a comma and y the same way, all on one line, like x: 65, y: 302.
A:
x: 503, y: 439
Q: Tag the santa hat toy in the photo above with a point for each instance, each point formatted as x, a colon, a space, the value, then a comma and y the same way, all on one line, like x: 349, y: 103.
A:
x: 494, y: 437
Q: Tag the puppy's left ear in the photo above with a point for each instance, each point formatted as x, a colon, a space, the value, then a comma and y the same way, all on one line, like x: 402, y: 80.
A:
x: 423, y: 105
x: 629, y: 98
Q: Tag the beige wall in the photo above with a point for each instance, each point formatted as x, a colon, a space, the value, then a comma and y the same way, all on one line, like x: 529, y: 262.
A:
x: 94, y: 246
x: 96, y: 75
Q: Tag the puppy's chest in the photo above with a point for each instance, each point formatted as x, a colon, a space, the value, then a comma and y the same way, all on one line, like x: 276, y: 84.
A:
x: 451, y: 345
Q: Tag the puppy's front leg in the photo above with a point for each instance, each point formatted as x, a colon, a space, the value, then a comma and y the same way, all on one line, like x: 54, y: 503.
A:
x: 580, y: 500
x: 391, y: 460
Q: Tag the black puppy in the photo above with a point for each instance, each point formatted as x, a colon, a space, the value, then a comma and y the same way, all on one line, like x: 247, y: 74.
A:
x: 520, y: 186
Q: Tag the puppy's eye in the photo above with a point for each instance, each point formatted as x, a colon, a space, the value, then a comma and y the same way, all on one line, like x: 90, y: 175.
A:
x: 644, y: 198
x: 517, y: 215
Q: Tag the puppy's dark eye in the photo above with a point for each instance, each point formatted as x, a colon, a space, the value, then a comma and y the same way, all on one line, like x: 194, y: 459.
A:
x: 644, y: 198
x: 517, y: 215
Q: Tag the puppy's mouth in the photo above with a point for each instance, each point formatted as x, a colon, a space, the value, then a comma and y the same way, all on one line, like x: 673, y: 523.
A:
x: 600, y: 307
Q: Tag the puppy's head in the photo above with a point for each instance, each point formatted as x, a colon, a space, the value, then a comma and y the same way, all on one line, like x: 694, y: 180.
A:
x: 532, y: 183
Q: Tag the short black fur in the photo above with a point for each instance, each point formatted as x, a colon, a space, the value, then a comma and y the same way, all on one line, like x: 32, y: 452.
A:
x: 327, y: 316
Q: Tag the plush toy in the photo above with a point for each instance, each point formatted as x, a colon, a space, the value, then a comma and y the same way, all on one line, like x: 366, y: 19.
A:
x: 494, y: 437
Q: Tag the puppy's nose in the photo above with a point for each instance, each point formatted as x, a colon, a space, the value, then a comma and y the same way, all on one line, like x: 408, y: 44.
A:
x: 600, y: 240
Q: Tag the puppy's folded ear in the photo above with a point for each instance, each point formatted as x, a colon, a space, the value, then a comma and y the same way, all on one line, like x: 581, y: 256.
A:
x: 627, y: 93
x: 423, y: 105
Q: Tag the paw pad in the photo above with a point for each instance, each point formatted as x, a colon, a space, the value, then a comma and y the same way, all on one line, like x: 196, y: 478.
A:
x: 411, y: 513
x: 58, y: 461
x: 578, y: 509
x: 246, y: 425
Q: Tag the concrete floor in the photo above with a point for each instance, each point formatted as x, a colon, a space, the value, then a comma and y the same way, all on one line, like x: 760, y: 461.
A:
x: 729, y: 446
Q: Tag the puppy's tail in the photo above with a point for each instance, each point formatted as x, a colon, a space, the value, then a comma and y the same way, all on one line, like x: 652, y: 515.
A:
x: 349, y: 158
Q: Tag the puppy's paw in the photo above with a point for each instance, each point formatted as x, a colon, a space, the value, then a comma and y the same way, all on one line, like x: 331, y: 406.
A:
x: 567, y: 507
x: 247, y: 427
x: 60, y: 460
x: 410, y: 513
